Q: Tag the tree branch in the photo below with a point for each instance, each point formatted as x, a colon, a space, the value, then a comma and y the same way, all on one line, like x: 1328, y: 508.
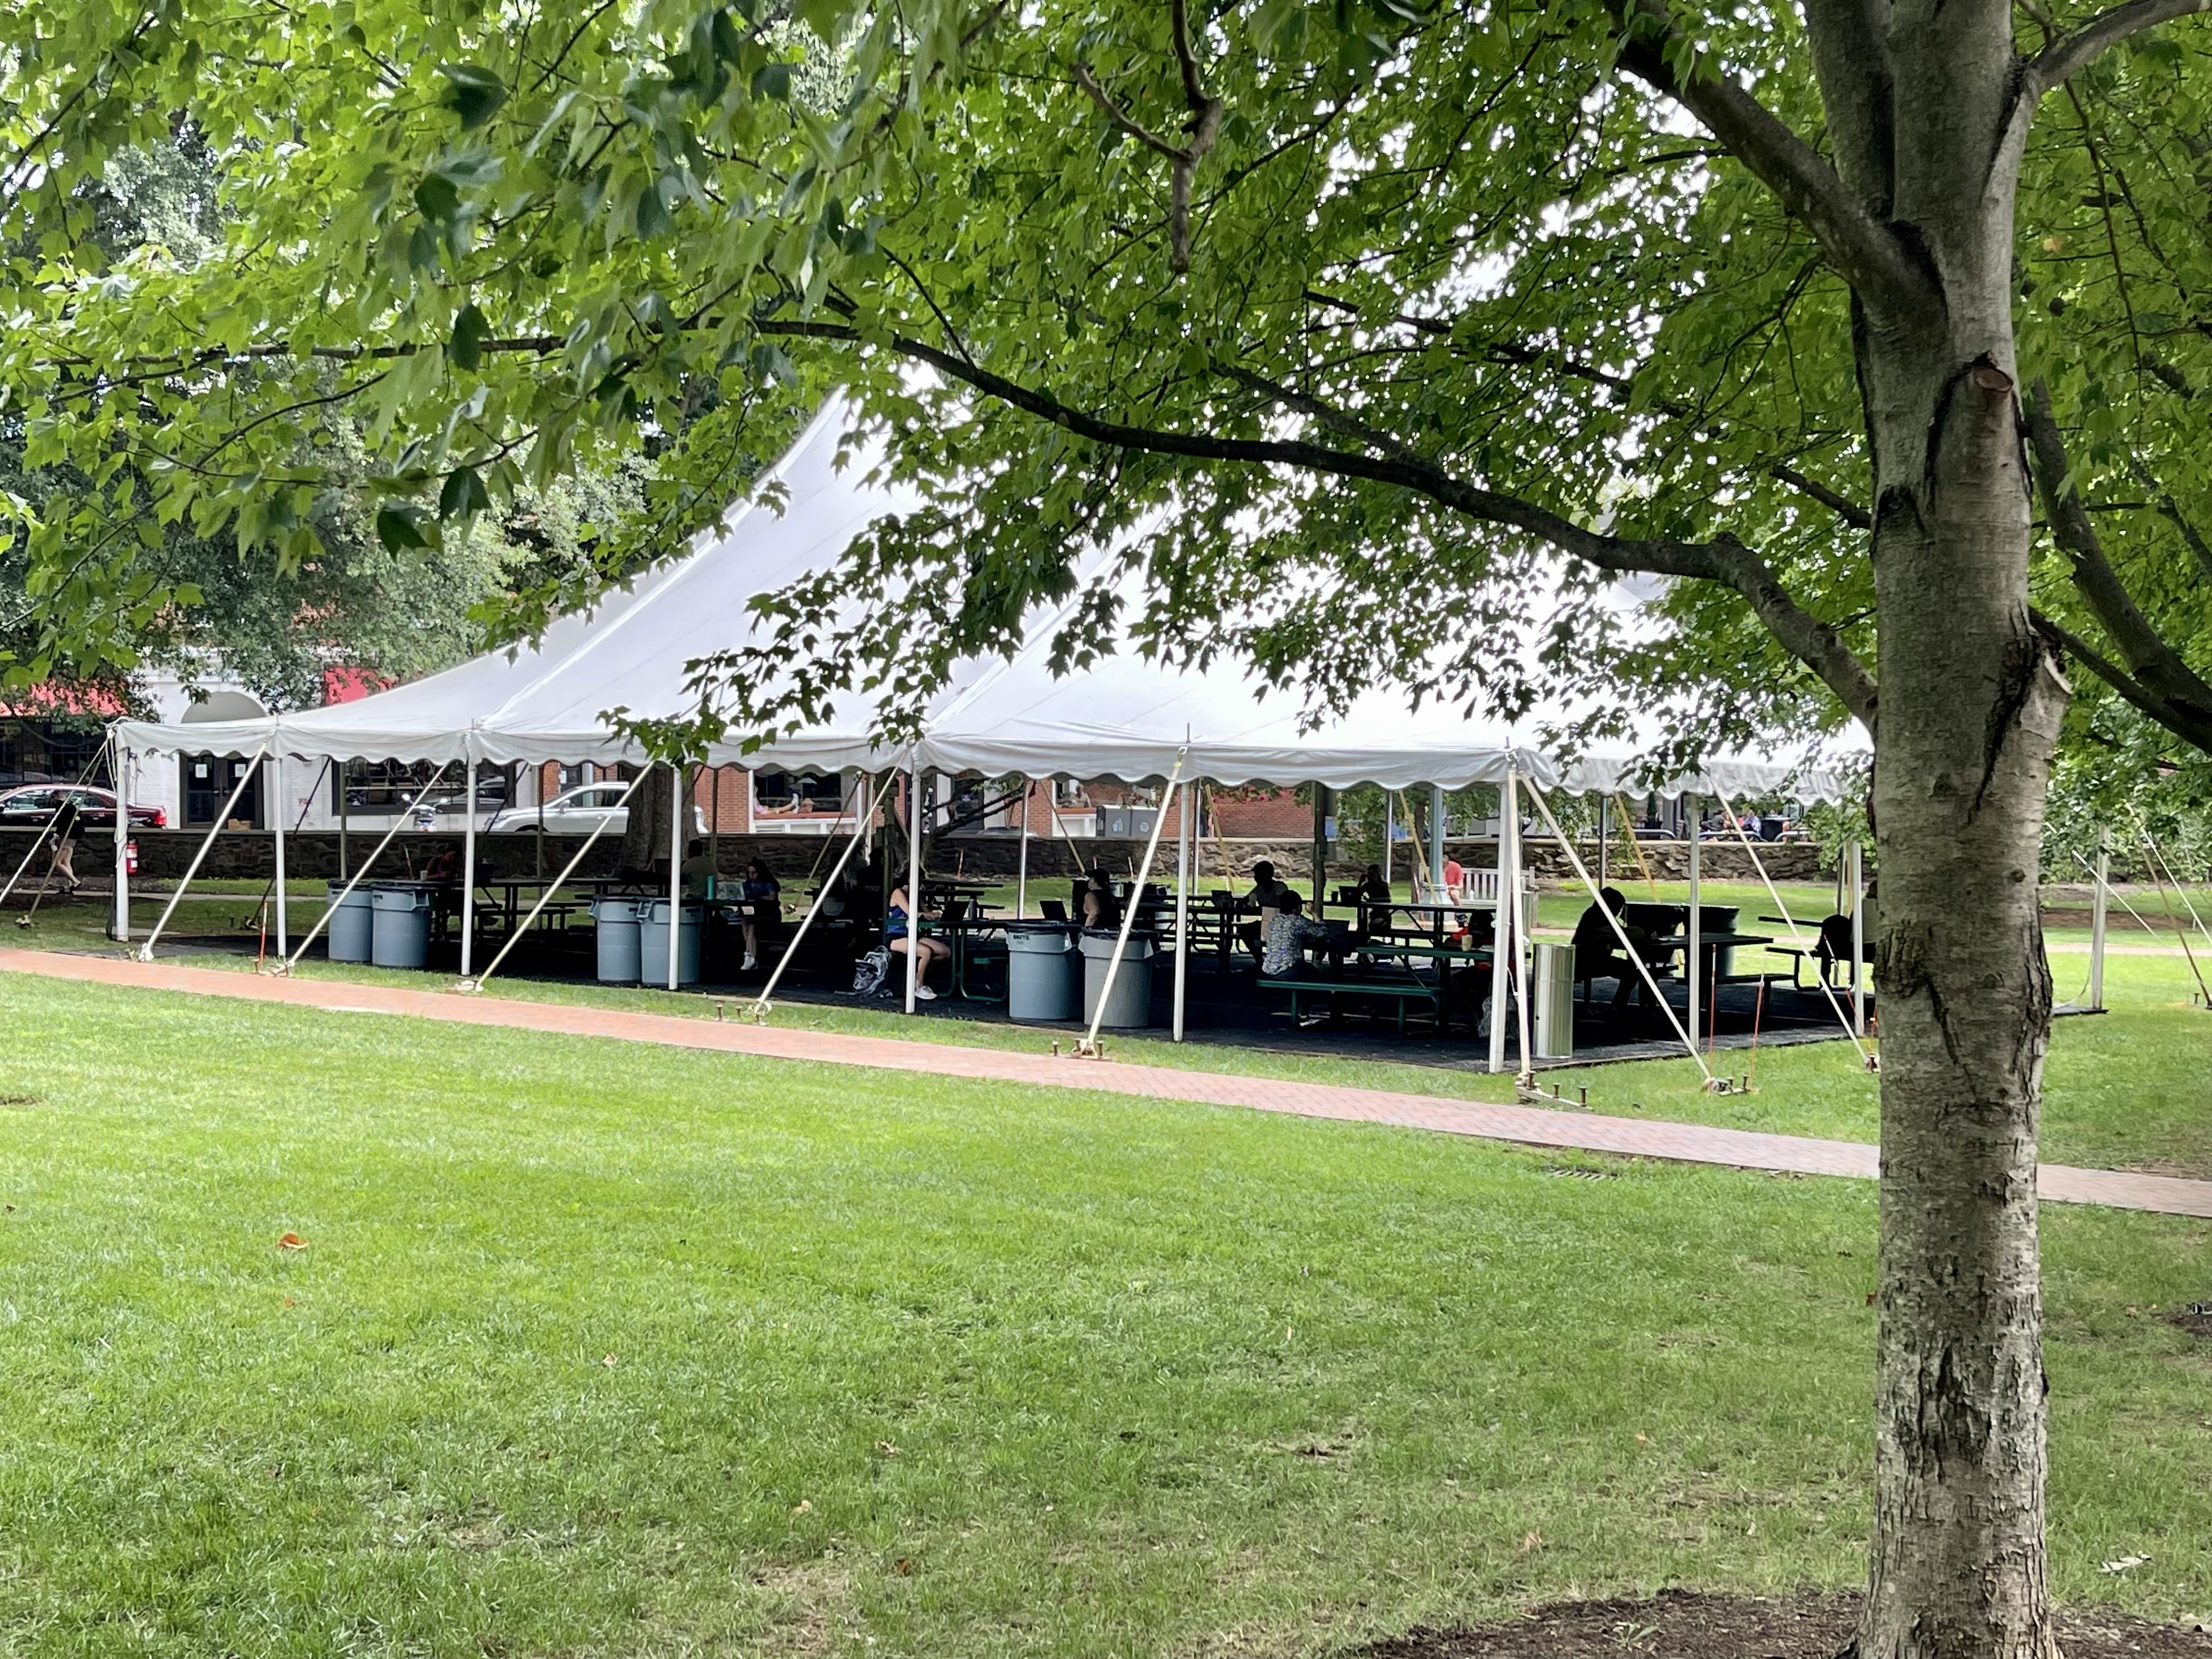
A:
x: 1883, y: 271
x: 2070, y: 54
x: 1204, y: 127
x: 2179, y: 721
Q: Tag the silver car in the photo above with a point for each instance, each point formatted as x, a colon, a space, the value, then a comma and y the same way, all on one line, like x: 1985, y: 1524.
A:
x: 579, y: 811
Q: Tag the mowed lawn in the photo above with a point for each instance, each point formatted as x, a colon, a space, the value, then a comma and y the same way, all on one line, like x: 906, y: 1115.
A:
x: 599, y: 1349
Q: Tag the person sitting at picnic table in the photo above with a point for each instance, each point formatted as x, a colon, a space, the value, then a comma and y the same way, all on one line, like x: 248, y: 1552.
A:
x: 1597, y: 948
x: 899, y: 938
x: 1834, y: 947
x: 1267, y: 899
x: 1095, y: 902
x: 696, y: 876
x: 1289, y: 932
x: 1372, y: 889
x: 760, y: 900
x: 445, y: 864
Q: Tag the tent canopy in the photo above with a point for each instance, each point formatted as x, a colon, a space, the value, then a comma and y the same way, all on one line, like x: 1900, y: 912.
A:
x: 1122, y: 717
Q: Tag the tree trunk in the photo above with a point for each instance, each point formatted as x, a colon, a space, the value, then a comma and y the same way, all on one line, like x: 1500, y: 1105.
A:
x: 1970, y: 697
x: 645, y: 836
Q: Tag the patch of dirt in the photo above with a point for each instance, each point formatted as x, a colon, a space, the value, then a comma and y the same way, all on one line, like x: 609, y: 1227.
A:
x: 2196, y: 1320
x: 1691, y: 1625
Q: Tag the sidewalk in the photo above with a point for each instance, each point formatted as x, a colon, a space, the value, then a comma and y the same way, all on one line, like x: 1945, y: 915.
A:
x: 1526, y: 1126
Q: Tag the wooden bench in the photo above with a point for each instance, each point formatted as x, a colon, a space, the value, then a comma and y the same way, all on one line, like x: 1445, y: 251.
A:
x: 1401, y: 991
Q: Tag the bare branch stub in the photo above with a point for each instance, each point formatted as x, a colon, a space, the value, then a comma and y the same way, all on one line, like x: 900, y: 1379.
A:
x: 1204, y: 128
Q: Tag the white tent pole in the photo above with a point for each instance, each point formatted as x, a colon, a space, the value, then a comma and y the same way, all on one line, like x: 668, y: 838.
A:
x: 1089, y: 1043
x: 1022, y: 868
x: 469, y: 858
x: 1504, y: 913
x: 367, y: 865
x: 146, y: 951
x: 1693, y: 962
x: 1858, y: 940
x: 1437, y: 844
x: 1643, y: 969
x: 119, y: 758
x: 912, y: 877
x: 2097, y: 927
x: 676, y: 817
x: 276, y: 800
x: 860, y: 803
x: 1389, y: 826
x: 1510, y: 894
x: 546, y: 898
x: 1183, y: 839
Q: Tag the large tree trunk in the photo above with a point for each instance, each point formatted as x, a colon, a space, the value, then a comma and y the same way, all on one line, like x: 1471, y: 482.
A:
x: 1969, y: 701
x: 645, y: 836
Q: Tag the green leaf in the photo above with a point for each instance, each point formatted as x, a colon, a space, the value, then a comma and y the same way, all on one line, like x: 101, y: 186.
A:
x: 438, y: 198
x: 464, y: 495
x: 472, y: 91
x: 398, y: 525
x: 772, y: 81
x: 652, y: 218
x: 465, y: 350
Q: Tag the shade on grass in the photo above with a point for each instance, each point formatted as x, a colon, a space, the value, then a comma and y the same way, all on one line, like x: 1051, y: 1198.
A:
x: 595, y: 1348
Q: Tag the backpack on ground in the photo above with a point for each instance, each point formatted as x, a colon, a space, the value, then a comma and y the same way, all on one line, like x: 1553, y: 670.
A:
x: 869, y: 972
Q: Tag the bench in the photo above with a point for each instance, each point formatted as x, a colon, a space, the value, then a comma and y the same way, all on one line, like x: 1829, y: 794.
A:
x: 1401, y: 991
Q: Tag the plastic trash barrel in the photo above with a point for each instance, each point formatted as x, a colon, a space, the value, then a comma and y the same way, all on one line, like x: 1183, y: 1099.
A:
x: 652, y: 944
x: 1041, y: 973
x: 1719, y: 919
x: 353, y: 922
x: 1552, y: 1002
x: 614, y: 926
x: 399, y: 936
x: 1131, y: 1003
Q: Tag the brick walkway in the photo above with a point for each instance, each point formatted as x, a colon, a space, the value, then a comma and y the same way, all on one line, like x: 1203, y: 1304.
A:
x: 1525, y: 1126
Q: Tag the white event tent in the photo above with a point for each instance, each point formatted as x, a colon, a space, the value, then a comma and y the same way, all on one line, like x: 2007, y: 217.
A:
x: 1122, y: 717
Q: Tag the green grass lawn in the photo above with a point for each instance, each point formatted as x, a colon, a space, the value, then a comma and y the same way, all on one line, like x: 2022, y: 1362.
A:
x: 595, y: 1349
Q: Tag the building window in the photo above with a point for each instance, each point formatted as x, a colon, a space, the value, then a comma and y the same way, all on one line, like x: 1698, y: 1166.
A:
x: 208, y: 781
x: 802, y: 791
x: 382, y: 787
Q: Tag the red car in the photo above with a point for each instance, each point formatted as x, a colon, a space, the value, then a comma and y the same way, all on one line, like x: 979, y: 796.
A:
x: 33, y: 804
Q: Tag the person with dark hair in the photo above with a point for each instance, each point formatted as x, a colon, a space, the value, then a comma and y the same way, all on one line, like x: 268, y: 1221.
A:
x: 1289, y: 931
x: 1266, y: 898
x: 760, y: 900
x: 1372, y: 888
x: 1597, y: 948
x: 68, y: 825
x: 901, y: 937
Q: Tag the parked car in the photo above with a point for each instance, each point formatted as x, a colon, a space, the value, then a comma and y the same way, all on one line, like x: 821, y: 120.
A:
x: 579, y: 811
x: 33, y: 804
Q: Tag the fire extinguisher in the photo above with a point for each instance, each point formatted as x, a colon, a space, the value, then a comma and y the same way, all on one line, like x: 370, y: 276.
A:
x: 129, y: 858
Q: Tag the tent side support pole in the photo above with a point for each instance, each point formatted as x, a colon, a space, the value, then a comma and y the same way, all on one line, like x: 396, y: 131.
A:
x: 1511, y: 895
x: 277, y: 796
x: 1021, y: 865
x: 2097, y: 929
x: 469, y: 862
x: 913, y: 880
x: 861, y: 808
x: 331, y: 908
x: 1389, y: 831
x: 246, y: 773
x: 119, y: 758
x: 1183, y: 906
x: 1507, y: 918
x: 1858, y: 940
x: 1089, y: 1045
x: 1437, y: 846
x: 676, y: 815
x: 1693, y: 958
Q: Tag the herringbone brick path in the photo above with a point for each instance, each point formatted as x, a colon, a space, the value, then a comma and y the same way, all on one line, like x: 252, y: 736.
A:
x: 1527, y: 1126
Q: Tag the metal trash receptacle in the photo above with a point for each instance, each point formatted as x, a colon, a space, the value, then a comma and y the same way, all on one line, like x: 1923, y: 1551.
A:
x: 1131, y: 1003
x: 352, y: 924
x: 652, y: 944
x: 1041, y: 968
x: 1552, y: 1002
x: 614, y: 928
x: 400, y: 934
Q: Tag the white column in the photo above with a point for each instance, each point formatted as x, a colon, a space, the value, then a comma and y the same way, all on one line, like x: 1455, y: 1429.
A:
x: 913, y: 882
x: 1437, y: 845
x: 469, y: 859
x: 1022, y: 869
x: 676, y: 816
x: 1504, y: 937
x: 1695, y: 951
x: 1858, y: 939
x: 119, y: 758
x: 2097, y: 929
x: 1389, y: 824
x: 1183, y: 839
x: 277, y: 804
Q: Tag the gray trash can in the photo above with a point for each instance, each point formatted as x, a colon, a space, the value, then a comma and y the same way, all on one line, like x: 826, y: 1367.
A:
x: 1552, y: 1002
x: 614, y: 928
x: 400, y: 935
x: 1040, y: 965
x: 1131, y: 1003
x: 352, y: 924
x: 652, y: 944
x: 1719, y: 919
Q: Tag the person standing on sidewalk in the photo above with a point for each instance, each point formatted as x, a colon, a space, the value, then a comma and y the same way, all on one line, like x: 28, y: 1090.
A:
x: 67, y: 824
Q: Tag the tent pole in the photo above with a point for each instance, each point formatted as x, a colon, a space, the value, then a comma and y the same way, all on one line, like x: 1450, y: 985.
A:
x: 2097, y: 927
x: 340, y: 766
x: 146, y: 951
x: 276, y: 796
x: 1389, y: 828
x: 762, y: 1006
x: 676, y: 815
x: 1693, y: 963
x: 1604, y: 840
x: 1022, y: 865
x: 546, y: 896
x: 469, y: 859
x: 1089, y: 1045
x: 331, y: 908
x: 119, y: 758
x: 1320, y: 849
x: 1437, y: 844
x: 1511, y: 895
x: 1507, y: 919
x: 1858, y: 940
x: 1183, y: 906
x: 913, y: 880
